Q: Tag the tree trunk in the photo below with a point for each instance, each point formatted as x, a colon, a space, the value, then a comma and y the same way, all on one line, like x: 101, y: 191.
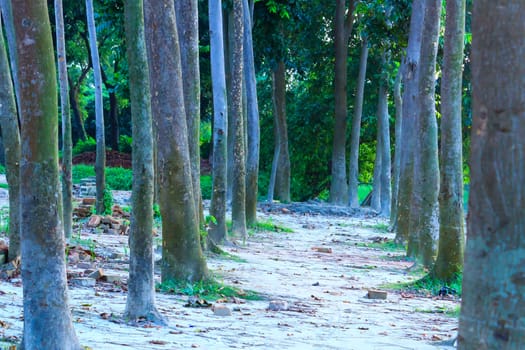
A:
x: 228, y: 54
x: 46, y: 310
x: 451, y: 228
x: 11, y: 143
x: 181, y: 249
x: 492, y: 311
x: 100, y: 163
x: 353, y: 167
x: 282, y: 176
x: 375, y: 201
x: 339, y: 187
x: 140, y: 302
x: 67, y: 143
x: 424, y: 211
x: 188, y: 29
x: 410, y: 113
x: 239, y: 166
x: 253, y: 132
x: 398, y: 100
x: 218, y: 230
x: 7, y: 14
x: 78, y: 131
x: 383, y: 126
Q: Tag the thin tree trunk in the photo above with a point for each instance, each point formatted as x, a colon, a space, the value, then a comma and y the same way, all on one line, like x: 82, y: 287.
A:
x: 398, y: 100
x: 181, y: 248
x: 228, y: 54
x: 410, y: 113
x: 100, y: 163
x: 449, y: 262
x: 492, y: 311
x: 47, y: 319
x: 7, y: 14
x: 383, y: 126
x: 78, y: 130
x: 140, y: 302
x: 218, y: 230
x: 11, y: 143
x: 424, y: 211
x: 188, y: 29
x: 353, y: 167
x: 252, y: 125
x: 375, y: 201
x: 67, y: 143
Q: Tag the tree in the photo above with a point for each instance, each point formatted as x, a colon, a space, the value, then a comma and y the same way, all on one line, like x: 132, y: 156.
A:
x: 67, y: 143
x: 181, y: 248
x: 252, y: 120
x: 343, y: 27
x: 383, y: 127
x: 46, y: 310
x: 353, y: 167
x: 100, y: 163
x: 451, y: 216
x: 188, y: 30
x: 141, y: 284
x: 11, y: 141
x: 424, y: 215
x: 218, y: 228
x: 398, y: 102
x: 239, y: 162
x: 491, y: 309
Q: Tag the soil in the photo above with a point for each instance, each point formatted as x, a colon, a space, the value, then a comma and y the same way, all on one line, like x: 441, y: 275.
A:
x: 319, y: 276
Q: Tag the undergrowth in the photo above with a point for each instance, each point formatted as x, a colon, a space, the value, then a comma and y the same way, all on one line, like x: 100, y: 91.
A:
x: 429, y: 284
x: 388, y: 245
x: 209, y: 289
x: 447, y: 311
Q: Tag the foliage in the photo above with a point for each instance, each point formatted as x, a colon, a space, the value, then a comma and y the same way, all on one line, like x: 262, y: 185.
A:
x: 4, y: 220
x: 269, y: 226
x: 108, y: 200
x: 2, y: 169
x: 205, y: 139
x: 119, y: 178
x: 124, y: 143
x: 209, y: 289
x: 206, y: 186
x: 82, y: 171
x: 87, y: 145
x: 388, y: 245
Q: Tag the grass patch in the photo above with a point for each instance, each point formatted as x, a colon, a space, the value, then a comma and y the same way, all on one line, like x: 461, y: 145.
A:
x: 380, y: 227
x: 447, y: 311
x: 6, y: 186
x: 388, y: 245
x: 228, y: 256
x: 269, y: 226
x: 210, y: 290
x: 206, y: 186
x: 362, y: 191
x: 430, y: 285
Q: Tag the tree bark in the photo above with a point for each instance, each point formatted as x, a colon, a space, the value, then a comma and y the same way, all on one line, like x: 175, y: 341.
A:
x: 140, y: 302
x: 78, y: 130
x: 100, y: 163
x: 218, y: 230
x: 375, y: 201
x: 181, y: 249
x: 228, y: 54
x: 343, y: 28
x: 410, y: 113
x: 252, y: 125
x: 424, y: 211
x: 239, y: 162
x: 383, y: 126
x: 398, y: 101
x: 67, y: 142
x: 353, y: 167
x: 11, y: 143
x: 451, y: 216
x: 492, y: 311
x: 7, y: 14
x: 188, y: 29
x: 46, y: 310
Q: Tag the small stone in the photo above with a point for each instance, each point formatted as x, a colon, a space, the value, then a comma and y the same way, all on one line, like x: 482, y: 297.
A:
x: 84, y: 265
x: 111, y: 278
x: 94, y: 221
x: 115, y: 226
x: 89, y: 200
x: 83, y: 282
x: 97, y: 274
x: 322, y: 249
x: 377, y: 294
x: 278, y: 305
x: 221, y: 310
x: 285, y: 210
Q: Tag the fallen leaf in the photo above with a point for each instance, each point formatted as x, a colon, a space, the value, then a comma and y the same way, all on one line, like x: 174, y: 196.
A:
x: 158, y: 342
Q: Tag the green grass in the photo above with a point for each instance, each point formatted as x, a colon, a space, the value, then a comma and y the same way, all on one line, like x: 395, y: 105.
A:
x: 447, y: 311
x: 377, y: 227
x: 429, y: 285
x: 228, y: 256
x: 210, y: 290
x: 362, y: 191
x: 206, y: 186
x: 269, y: 226
x: 388, y: 245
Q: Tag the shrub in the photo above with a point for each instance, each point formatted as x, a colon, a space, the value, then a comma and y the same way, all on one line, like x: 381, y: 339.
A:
x: 87, y: 145
x: 124, y: 143
x: 206, y: 186
x: 119, y: 178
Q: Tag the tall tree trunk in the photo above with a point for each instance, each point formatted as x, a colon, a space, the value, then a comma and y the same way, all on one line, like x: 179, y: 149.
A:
x: 375, y: 201
x: 239, y: 162
x: 383, y: 126
x: 343, y: 28
x: 353, y: 167
x: 67, y: 143
x: 282, y: 176
x: 410, y: 113
x: 228, y: 54
x: 7, y: 14
x: 181, y: 249
x: 252, y: 125
x: 140, y: 302
x: 451, y: 216
x: 11, y: 142
x: 424, y: 211
x: 78, y: 131
x: 46, y: 310
x: 492, y: 311
x: 398, y: 101
x: 100, y: 163
x: 218, y: 231
x: 188, y: 29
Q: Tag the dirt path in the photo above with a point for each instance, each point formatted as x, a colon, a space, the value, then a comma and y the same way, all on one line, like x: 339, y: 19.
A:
x: 325, y: 293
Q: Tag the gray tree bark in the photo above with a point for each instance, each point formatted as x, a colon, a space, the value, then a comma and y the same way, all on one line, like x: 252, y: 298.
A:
x: 140, y: 302
x: 451, y: 216
x: 67, y: 142
x: 383, y: 126
x: 492, y: 311
x: 398, y: 101
x: 11, y: 142
x: 47, y: 319
x: 218, y: 230
x: 181, y: 249
x: 252, y: 125
x: 7, y: 14
x: 100, y: 163
x: 375, y: 200
x: 353, y: 164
